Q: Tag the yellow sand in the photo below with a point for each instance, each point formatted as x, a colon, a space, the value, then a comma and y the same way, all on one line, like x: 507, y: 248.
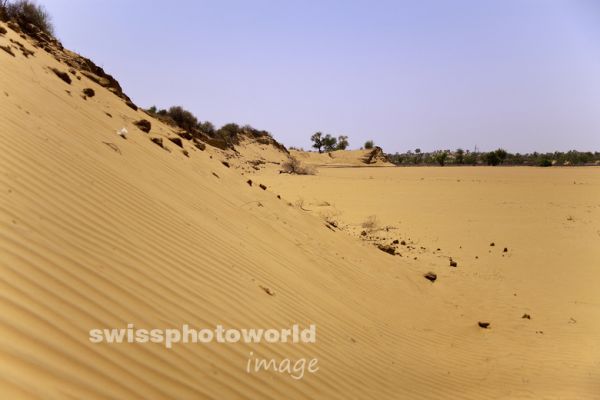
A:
x: 99, y: 231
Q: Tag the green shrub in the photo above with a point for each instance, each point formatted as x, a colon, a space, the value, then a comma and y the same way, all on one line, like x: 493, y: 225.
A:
x: 26, y: 12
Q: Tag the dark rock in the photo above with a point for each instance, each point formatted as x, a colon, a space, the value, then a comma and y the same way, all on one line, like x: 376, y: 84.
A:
x: 199, y: 145
x: 144, y: 125
x: 177, y: 141
x: 249, y: 182
x: 62, y: 75
x: 89, y: 92
x: 396, y: 241
x: 8, y: 50
x: 526, y: 316
x: 3, y: 30
x: 363, y: 233
x: 430, y: 276
x: 225, y: 163
x: 387, y: 249
x: 158, y: 141
x: 131, y: 105
x: 492, y: 244
x: 483, y: 325
x: 279, y: 197
x: 506, y: 249
x: 263, y: 187
x: 403, y: 243
x: 185, y: 153
x: 453, y: 263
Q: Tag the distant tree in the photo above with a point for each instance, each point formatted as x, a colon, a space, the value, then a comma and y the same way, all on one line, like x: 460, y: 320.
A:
x: 229, y: 131
x: 342, y: 142
x: 459, y: 156
x: 369, y: 145
x: 317, y: 140
x: 470, y: 158
x: 418, y: 151
x: 492, y: 158
x: 207, y: 127
x: 501, y: 153
x: 440, y: 157
x: 329, y: 143
x: 183, y: 118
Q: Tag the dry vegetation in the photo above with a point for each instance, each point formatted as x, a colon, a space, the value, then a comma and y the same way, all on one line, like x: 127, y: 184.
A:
x: 294, y: 166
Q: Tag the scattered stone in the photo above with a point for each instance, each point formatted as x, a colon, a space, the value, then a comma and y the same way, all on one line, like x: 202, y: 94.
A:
x: 438, y: 249
x: 249, y: 182
x: 363, y: 233
x: 492, y: 244
x: 3, y: 30
x: 403, y: 243
x: 185, y: 153
x: 214, y: 173
x: 483, y: 325
x: 177, y: 141
x: 62, y: 75
x: 387, y: 249
x: 267, y: 290
x: 506, y: 249
x: 8, y: 50
x: 157, y: 141
x: 225, y: 163
x: 199, y: 145
x: 396, y: 241
x: 430, y: 276
x: 263, y: 187
x: 526, y: 316
x: 144, y: 125
x: 453, y: 263
x: 279, y: 197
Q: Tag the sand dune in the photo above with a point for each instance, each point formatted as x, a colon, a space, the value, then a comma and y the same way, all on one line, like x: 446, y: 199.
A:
x: 99, y: 231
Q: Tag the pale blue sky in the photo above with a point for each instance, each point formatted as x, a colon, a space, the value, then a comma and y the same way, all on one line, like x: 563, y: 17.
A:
x: 518, y: 74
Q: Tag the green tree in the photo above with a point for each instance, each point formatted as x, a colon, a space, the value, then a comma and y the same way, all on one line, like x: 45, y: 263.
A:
x: 342, y: 142
x: 501, y: 154
x: 440, y: 157
x: 492, y: 158
x: 317, y: 140
x: 329, y: 143
x: 369, y: 144
x: 460, y: 156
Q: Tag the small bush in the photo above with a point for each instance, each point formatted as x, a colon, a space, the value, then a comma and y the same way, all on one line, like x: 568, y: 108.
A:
x: 62, y: 75
x: 370, y: 223
x: 369, y: 145
x: 294, y: 166
x: 3, y: 30
x: 27, y: 12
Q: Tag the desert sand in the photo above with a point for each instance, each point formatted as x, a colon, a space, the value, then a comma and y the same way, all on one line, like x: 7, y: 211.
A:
x: 101, y: 231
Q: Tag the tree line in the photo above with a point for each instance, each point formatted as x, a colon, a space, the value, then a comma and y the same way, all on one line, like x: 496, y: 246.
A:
x: 493, y: 158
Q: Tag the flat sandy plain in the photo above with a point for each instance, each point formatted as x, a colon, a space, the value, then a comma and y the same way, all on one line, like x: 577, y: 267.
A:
x: 548, y: 219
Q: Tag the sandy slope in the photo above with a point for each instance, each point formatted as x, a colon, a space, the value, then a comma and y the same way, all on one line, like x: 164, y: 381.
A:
x: 349, y: 158
x: 99, y: 231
